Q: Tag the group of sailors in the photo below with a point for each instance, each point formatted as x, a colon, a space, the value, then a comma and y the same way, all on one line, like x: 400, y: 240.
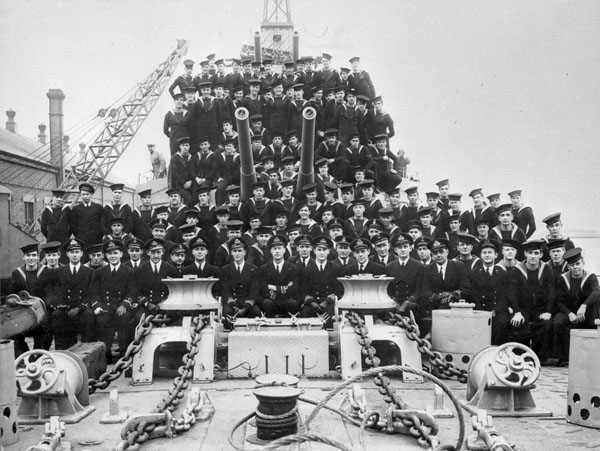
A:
x: 282, y: 250
x: 275, y: 258
x: 351, y: 126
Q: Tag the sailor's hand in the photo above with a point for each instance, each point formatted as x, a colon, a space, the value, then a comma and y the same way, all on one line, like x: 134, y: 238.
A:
x: 74, y: 312
x: 517, y: 319
x: 99, y: 310
x: 151, y: 307
x: 121, y: 310
x: 545, y: 316
x: 187, y: 184
x: 316, y: 307
x: 572, y: 317
x: 581, y: 313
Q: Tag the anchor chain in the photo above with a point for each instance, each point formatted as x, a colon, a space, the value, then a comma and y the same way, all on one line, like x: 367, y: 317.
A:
x: 397, y: 411
x: 161, y: 423
x: 144, y: 327
x: 411, y: 328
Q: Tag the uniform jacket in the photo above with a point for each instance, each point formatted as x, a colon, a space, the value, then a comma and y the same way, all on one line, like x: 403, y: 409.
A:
x: 268, y: 275
x: 456, y: 279
x: 408, y: 279
x: 122, y: 211
x: 73, y: 290
x: 241, y: 287
x: 572, y: 293
x: 54, y: 225
x: 537, y: 298
x: 371, y: 268
x: 320, y: 284
x: 491, y: 291
x: 113, y: 289
x: 87, y: 223
x: 150, y: 285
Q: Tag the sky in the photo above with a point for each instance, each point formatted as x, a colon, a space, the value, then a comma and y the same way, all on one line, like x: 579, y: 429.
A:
x: 492, y: 94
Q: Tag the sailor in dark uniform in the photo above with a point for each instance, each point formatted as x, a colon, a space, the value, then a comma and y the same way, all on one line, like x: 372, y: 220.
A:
x: 223, y: 254
x: 466, y: 250
x: 578, y: 301
x: 523, y: 214
x: 86, y: 218
x: 507, y: 229
x: 142, y: 215
x: 554, y: 225
x: 360, y: 80
x: 185, y: 80
x: 319, y: 285
x: 535, y: 292
x: 343, y: 250
x: 480, y: 210
x: 356, y: 226
x: 422, y: 250
x: 134, y: 246
x: 71, y: 310
x: 178, y: 257
x: 407, y: 286
x: 240, y: 283
x: 173, y: 127
x: 444, y: 191
x: 200, y: 266
x: 117, y: 209
x: 54, y: 225
x: 491, y: 290
x: 29, y: 277
x: 556, y: 250
x: 410, y: 212
x: 258, y: 253
x: 150, y: 288
x: 176, y: 208
x: 361, y: 248
x: 446, y: 280
x: 383, y: 254
x: 279, y: 281
x: 466, y: 219
x: 113, y: 293
x: 326, y: 77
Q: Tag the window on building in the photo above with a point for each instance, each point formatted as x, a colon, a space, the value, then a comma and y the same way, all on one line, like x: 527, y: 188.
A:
x: 29, y: 207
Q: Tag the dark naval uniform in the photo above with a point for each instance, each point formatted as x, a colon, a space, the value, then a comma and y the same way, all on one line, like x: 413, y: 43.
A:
x: 535, y: 294
x: 240, y: 290
x: 318, y: 286
x: 71, y: 309
x: 54, y: 224
x: 571, y: 294
x: 283, y: 299
x: 114, y: 288
x: 87, y: 222
x: 492, y: 292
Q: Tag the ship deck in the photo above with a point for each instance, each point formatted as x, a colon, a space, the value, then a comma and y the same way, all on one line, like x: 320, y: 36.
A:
x: 233, y: 399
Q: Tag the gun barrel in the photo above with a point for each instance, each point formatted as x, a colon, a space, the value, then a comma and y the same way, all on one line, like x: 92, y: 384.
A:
x: 247, y: 172
x: 306, y: 173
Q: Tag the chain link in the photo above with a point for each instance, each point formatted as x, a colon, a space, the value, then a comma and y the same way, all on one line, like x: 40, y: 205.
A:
x: 145, y: 429
x: 413, y: 424
x: 411, y: 328
x: 144, y: 327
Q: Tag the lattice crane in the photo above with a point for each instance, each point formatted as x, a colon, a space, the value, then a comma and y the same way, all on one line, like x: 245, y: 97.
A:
x: 122, y: 125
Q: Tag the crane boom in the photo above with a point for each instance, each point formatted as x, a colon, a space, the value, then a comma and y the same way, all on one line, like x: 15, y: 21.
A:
x: 122, y: 125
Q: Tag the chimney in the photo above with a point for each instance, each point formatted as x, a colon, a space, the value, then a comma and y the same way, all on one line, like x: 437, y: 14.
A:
x: 11, y: 125
x: 65, y: 144
x: 81, y: 151
x: 42, y: 133
x: 56, y: 97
